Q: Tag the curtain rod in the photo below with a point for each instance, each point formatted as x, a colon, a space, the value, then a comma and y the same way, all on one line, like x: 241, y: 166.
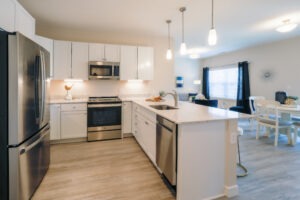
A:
x: 226, y: 65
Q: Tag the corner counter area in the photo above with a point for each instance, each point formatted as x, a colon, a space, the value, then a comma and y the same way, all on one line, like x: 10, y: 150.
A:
x: 206, y: 146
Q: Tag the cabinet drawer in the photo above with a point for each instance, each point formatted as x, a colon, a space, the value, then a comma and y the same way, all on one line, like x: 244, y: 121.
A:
x: 144, y: 112
x: 74, y: 107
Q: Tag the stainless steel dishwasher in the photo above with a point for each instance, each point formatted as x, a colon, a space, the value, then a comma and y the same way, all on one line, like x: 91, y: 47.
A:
x: 166, y: 148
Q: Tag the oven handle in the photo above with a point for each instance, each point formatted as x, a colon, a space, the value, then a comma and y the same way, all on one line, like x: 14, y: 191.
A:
x: 103, y: 105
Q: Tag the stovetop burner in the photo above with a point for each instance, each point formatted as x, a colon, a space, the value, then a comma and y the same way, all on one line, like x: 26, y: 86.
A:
x: 107, y: 99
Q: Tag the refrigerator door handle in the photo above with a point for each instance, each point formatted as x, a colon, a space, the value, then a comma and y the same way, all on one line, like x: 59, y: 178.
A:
x: 29, y: 147
x: 36, y: 87
x: 43, y: 69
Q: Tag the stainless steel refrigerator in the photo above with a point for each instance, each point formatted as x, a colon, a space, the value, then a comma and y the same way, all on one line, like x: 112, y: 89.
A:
x: 24, y: 115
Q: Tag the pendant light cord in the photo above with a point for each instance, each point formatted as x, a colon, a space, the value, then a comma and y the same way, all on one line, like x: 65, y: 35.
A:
x: 182, y: 27
x: 182, y: 9
x: 169, y: 34
x: 212, y: 14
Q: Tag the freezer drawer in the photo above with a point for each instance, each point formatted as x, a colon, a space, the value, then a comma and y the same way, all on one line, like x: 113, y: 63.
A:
x: 28, y: 164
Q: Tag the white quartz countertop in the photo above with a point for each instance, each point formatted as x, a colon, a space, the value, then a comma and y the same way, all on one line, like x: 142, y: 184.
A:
x: 76, y: 100
x: 189, y: 112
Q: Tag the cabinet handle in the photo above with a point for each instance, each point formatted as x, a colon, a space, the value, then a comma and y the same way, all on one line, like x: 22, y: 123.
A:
x: 146, y: 123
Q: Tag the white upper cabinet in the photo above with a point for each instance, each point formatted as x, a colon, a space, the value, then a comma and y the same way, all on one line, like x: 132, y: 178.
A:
x: 136, y: 63
x: 112, y: 53
x: 104, y: 52
x: 70, y: 60
x: 145, y: 63
x: 24, y: 22
x: 62, y: 59
x: 48, y: 45
x: 96, y: 52
x: 80, y: 56
x: 128, y: 63
x: 7, y: 15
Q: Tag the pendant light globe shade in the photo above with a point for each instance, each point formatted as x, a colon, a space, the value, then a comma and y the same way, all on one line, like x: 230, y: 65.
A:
x: 212, y: 37
x: 183, y: 49
x: 169, y: 54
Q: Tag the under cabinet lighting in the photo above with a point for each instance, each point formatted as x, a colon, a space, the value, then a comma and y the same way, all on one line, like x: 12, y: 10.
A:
x: 73, y: 80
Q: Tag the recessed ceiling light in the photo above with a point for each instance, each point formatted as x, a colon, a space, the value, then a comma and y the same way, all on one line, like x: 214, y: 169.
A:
x: 194, y: 56
x: 287, y: 26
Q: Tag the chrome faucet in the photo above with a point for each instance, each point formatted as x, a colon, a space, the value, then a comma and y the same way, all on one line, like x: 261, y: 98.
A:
x: 175, y: 96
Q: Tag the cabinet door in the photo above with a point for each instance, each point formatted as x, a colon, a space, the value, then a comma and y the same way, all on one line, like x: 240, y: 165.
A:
x: 55, y: 121
x: 96, y: 52
x: 150, y: 139
x: 112, y: 53
x: 48, y: 45
x: 126, y: 117
x: 24, y: 22
x: 73, y: 125
x: 61, y: 60
x: 80, y: 56
x: 128, y: 63
x: 145, y: 63
x: 7, y: 15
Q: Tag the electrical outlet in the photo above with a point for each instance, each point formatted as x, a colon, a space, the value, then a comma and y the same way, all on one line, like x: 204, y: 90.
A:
x: 233, y: 137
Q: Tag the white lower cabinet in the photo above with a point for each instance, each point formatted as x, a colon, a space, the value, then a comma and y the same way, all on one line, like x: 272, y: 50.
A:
x: 144, y: 130
x: 73, y: 124
x: 54, y: 121
x: 68, y: 121
x: 126, y: 117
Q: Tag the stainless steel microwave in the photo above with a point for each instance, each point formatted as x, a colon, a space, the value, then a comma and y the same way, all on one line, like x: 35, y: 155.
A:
x: 104, y: 70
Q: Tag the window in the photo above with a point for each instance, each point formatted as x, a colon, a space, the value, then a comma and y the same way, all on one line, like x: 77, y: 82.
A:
x: 223, y: 82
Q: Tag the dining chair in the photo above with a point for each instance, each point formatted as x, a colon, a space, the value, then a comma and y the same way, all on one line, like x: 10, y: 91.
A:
x: 296, y: 127
x: 268, y: 117
x: 252, y: 103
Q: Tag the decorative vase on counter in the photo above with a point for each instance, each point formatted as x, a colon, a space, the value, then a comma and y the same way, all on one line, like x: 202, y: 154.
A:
x: 68, y: 87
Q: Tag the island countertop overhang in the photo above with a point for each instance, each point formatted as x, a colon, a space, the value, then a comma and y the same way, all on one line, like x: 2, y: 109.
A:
x: 190, y: 112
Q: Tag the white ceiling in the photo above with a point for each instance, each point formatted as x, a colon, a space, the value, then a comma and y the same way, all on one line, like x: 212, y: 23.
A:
x: 239, y: 23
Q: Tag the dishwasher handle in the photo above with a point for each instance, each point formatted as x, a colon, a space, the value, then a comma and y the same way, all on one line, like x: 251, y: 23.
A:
x: 171, y: 126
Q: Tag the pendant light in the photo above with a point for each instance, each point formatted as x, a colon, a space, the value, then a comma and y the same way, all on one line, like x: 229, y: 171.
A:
x: 212, y: 36
x: 183, y: 49
x: 169, y: 55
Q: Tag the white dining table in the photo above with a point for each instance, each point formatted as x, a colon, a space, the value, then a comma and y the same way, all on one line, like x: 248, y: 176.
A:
x: 292, y: 111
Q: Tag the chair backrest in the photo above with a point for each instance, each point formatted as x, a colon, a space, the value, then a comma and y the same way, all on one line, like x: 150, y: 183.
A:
x: 252, y: 102
x: 266, y: 108
x: 280, y: 96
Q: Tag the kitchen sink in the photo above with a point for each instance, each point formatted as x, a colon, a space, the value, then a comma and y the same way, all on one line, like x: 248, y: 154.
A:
x: 163, y: 107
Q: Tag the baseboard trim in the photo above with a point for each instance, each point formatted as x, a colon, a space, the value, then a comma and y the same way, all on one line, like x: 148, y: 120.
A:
x: 125, y: 135
x: 231, y: 191
x: 215, y: 197
x: 62, y: 141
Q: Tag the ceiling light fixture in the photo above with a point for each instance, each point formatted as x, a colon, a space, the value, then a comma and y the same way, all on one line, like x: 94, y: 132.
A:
x: 183, y: 49
x: 212, y: 36
x: 286, y: 26
x: 169, y: 55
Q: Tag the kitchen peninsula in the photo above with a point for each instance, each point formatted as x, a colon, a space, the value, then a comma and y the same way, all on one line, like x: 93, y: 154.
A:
x: 206, y: 142
x: 206, y: 151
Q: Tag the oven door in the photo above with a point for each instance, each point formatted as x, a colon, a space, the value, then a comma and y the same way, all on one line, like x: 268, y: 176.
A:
x: 103, y: 117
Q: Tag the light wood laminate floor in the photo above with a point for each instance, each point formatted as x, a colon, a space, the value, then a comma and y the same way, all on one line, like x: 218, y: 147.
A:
x: 119, y: 170
x: 105, y: 170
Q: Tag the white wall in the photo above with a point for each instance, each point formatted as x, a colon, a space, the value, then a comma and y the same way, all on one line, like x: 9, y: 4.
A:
x: 280, y: 58
x: 189, y: 70
x: 164, y: 72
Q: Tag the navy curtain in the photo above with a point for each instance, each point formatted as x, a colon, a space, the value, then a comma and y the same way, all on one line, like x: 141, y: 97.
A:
x: 205, y: 82
x: 243, y: 92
